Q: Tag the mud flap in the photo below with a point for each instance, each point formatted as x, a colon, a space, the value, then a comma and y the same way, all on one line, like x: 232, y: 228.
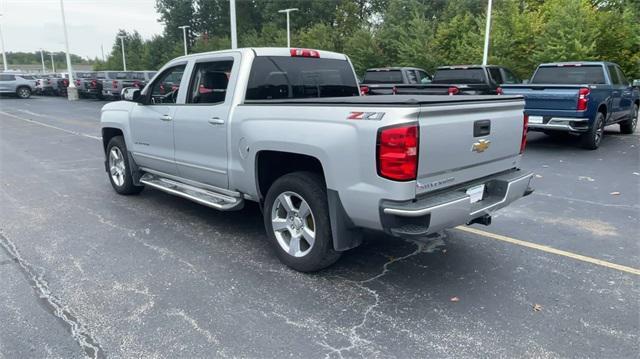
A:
x: 345, y: 234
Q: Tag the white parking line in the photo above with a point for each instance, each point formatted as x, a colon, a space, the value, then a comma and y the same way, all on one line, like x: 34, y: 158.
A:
x: 50, y: 126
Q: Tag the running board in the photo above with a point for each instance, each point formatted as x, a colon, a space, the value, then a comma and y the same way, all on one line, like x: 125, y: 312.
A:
x: 206, y: 197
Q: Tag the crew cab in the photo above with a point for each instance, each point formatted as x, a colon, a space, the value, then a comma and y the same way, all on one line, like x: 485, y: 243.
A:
x: 579, y: 98
x: 385, y: 80
x: 288, y: 129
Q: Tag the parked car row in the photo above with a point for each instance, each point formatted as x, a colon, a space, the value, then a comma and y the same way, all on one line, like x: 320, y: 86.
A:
x: 576, y: 98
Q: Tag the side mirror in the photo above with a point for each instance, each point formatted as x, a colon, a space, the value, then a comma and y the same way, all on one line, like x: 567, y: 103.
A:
x: 131, y: 94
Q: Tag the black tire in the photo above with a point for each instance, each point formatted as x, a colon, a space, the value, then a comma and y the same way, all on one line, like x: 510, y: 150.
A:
x: 629, y: 126
x: 591, y: 139
x: 311, y: 188
x: 23, y: 92
x: 126, y: 187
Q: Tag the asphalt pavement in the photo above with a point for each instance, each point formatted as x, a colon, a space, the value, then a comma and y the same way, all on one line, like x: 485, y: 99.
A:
x: 88, y: 273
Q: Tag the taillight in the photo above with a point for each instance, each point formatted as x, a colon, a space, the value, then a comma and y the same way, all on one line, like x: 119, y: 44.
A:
x: 304, y: 53
x: 453, y: 90
x: 397, y: 152
x: 48, y: 82
x: 394, y: 90
x: 114, y: 84
x: 525, y: 128
x: 77, y: 82
x: 499, y: 91
x: 583, y: 98
x: 364, y: 90
x: 93, y: 83
x: 136, y: 83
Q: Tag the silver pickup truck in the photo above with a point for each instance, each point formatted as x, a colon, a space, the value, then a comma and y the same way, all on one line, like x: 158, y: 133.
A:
x: 287, y: 128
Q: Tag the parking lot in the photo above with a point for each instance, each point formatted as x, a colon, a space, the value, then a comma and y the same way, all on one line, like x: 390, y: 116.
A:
x: 86, y: 272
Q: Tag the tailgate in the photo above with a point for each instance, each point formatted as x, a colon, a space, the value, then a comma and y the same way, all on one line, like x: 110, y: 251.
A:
x: 546, y: 97
x: 464, y: 142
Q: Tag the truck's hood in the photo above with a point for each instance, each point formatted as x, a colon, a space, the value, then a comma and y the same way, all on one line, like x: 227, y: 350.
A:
x: 118, y: 106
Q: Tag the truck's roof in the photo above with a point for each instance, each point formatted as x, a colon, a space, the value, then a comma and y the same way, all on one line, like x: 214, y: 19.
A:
x: 394, y: 68
x: 461, y: 67
x: 265, y: 51
x: 576, y: 63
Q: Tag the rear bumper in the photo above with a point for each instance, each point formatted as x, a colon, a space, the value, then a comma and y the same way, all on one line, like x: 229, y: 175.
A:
x: 557, y: 123
x: 453, y: 207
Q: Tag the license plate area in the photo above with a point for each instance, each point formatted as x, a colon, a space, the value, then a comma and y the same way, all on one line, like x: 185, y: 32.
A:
x: 536, y: 119
x: 476, y: 193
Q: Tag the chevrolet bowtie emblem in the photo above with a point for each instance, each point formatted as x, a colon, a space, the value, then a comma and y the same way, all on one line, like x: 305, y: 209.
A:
x: 481, y: 145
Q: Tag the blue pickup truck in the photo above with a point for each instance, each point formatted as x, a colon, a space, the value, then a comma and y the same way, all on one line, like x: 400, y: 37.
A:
x: 579, y: 98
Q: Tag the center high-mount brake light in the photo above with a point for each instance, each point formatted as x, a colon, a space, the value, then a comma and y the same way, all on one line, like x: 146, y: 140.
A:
x: 114, y: 84
x: 397, y: 152
x: 583, y: 98
x: 525, y: 129
x: 304, y: 53
x: 453, y: 90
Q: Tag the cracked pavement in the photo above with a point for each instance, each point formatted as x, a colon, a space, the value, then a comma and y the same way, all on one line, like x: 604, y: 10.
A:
x: 88, y: 273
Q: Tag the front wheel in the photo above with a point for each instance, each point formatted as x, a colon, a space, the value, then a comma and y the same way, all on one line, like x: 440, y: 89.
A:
x: 119, y: 168
x: 296, y: 217
x: 629, y: 126
x: 591, y: 139
x: 23, y: 92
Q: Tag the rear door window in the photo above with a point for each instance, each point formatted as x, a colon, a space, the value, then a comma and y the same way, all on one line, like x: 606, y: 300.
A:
x: 623, y: 78
x: 509, y: 78
x: 569, y: 75
x: 383, y: 77
x: 459, y: 76
x: 411, y: 77
x: 281, y: 77
x: 4, y: 77
x: 423, y: 77
x: 209, y: 82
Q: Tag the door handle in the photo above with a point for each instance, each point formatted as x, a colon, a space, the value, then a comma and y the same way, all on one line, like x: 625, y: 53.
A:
x: 216, y: 121
x: 166, y: 118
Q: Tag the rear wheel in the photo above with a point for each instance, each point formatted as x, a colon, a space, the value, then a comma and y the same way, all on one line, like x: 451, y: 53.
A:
x: 119, y: 168
x: 591, y: 139
x: 629, y: 126
x: 23, y: 92
x: 296, y: 217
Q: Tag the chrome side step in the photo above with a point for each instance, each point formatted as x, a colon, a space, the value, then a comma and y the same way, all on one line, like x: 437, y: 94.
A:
x: 199, y: 195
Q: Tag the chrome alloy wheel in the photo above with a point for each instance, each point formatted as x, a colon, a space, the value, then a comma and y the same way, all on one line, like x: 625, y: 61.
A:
x: 293, y: 224
x: 24, y: 92
x: 116, y: 166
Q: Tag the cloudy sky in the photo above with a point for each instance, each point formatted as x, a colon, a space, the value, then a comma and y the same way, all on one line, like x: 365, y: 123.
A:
x: 28, y: 25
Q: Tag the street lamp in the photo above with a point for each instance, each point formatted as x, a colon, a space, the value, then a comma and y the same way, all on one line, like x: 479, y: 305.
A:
x: 232, y: 15
x: 485, y: 55
x: 72, y: 91
x: 42, y: 59
x: 124, y: 60
x: 53, y: 64
x: 4, y: 56
x: 288, y: 11
x: 184, y: 36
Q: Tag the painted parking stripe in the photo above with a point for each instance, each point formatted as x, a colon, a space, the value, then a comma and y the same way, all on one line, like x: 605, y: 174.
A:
x: 551, y: 250
x: 50, y: 126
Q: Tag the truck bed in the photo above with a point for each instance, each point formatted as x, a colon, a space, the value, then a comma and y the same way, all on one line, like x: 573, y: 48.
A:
x: 387, y: 100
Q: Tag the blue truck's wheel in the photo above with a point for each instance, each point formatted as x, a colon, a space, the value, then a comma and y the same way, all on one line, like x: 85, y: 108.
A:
x: 591, y: 139
x: 629, y: 126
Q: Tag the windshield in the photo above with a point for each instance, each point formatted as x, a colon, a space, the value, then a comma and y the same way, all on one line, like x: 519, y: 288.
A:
x: 383, y: 77
x: 459, y: 76
x: 280, y: 77
x: 569, y: 75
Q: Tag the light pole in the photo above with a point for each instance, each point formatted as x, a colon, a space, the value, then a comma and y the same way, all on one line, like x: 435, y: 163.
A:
x: 184, y: 36
x: 487, y: 29
x: 288, y: 11
x: 232, y: 15
x: 124, y: 59
x: 72, y: 91
x: 42, y: 59
x: 4, y: 56
x: 53, y: 64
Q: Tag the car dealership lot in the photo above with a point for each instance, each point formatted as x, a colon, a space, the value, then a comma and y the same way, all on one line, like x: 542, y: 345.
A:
x: 88, y: 272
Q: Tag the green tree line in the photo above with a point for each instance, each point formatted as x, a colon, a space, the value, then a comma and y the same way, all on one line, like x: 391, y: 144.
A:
x: 33, y: 58
x: 423, y: 33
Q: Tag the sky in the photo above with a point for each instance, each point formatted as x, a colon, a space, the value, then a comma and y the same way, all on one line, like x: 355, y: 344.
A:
x: 28, y: 25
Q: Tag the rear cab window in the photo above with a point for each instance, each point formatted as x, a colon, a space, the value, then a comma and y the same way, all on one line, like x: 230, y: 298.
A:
x: 283, y: 77
x: 383, y: 77
x: 460, y: 76
x: 569, y: 75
